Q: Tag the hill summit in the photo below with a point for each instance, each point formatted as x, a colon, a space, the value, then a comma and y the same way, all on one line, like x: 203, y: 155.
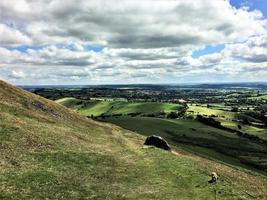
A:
x: 50, y: 152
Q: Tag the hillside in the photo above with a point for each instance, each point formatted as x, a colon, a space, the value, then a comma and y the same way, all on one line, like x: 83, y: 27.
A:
x: 201, y: 139
x: 50, y: 152
x: 97, y: 108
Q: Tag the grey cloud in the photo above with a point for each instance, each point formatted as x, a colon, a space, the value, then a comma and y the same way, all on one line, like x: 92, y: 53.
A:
x: 253, y: 50
x: 131, y: 23
x: 148, y: 37
x: 153, y: 41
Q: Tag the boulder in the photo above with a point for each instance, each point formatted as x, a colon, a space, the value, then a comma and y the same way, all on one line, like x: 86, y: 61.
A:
x: 158, y: 142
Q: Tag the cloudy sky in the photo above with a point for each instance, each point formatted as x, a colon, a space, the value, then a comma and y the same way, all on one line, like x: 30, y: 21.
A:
x: 132, y: 41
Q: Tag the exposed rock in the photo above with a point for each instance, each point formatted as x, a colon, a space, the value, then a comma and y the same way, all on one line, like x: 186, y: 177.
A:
x: 44, y: 108
x: 158, y: 142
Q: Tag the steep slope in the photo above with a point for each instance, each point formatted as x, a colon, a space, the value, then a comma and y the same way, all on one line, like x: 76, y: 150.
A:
x: 50, y: 152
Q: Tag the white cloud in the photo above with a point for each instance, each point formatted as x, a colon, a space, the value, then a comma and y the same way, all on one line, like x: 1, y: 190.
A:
x: 12, y: 36
x: 143, y: 41
x: 133, y: 24
x: 17, y: 74
x: 252, y: 50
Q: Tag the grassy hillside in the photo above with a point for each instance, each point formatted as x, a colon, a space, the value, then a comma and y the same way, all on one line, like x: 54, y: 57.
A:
x: 97, y: 108
x: 70, y: 102
x: 50, y: 152
x: 218, y: 144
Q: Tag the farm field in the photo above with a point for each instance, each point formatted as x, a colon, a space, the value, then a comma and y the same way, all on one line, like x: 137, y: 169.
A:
x: 260, y: 97
x: 203, y: 110
x: 227, y: 119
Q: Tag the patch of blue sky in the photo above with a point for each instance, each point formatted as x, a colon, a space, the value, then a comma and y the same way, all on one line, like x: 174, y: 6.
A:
x: 260, y: 5
x: 93, y: 48
x: 87, y: 47
x: 24, y: 48
x: 209, y: 49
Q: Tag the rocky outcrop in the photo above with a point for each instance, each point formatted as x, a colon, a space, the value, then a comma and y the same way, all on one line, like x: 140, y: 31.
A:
x: 158, y: 142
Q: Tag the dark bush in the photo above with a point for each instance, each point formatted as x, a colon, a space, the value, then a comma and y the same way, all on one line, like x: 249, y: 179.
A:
x: 172, y: 115
x: 134, y: 114
x: 209, y: 121
x: 189, y: 117
x: 234, y: 109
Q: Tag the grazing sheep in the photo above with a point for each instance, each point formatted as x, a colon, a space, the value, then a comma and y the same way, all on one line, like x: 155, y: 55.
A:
x: 214, y: 177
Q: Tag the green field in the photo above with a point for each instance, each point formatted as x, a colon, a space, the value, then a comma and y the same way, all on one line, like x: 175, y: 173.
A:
x: 69, y: 102
x: 97, y: 108
x: 195, y: 133
x: 226, y: 119
x: 260, y: 132
x: 51, y: 152
x: 203, y: 110
x: 264, y: 97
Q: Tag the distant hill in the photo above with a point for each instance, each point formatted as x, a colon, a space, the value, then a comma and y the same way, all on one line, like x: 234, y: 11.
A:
x: 96, y: 108
x: 227, y: 86
x: 50, y: 152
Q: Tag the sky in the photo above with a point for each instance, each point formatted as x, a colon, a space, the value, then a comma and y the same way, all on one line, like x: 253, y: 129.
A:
x: 63, y: 42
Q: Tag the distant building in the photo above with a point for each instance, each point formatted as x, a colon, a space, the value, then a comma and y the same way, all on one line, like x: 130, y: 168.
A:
x: 182, y: 101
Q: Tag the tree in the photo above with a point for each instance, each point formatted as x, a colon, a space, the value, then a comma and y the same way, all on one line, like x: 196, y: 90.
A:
x: 234, y: 109
x: 172, y: 115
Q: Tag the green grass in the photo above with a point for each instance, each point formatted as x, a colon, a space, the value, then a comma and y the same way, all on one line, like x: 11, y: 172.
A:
x: 50, y: 152
x: 69, y: 102
x: 252, y: 130
x: 97, y: 108
x: 194, y: 133
x: 202, y: 110
x: 264, y: 97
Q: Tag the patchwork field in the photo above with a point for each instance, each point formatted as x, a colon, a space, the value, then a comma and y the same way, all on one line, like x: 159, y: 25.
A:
x: 227, y: 119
